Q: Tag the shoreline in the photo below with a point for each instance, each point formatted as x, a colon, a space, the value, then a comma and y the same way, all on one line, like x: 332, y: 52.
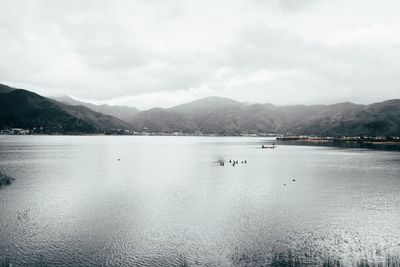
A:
x: 353, y: 140
x: 152, y: 134
x: 311, y: 140
x: 366, y: 143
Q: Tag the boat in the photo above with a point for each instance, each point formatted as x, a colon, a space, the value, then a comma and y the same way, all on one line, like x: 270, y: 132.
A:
x: 265, y: 146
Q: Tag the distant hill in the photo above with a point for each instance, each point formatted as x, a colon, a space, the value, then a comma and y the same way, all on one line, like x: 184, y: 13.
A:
x: 100, y: 121
x: 211, y: 115
x: 162, y: 120
x: 121, y: 112
x: 20, y: 108
x: 215, y: 115
x: 24, y: 109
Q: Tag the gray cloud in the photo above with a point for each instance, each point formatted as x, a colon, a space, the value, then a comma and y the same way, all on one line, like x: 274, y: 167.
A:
x: 141, y: 52
x: 300, y: 66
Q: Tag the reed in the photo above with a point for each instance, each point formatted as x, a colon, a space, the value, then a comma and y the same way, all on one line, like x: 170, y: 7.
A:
x: 221, y: 161
x: 289, y: 258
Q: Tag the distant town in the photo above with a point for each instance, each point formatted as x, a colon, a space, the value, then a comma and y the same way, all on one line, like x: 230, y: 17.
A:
x: 279, y: 137
x: 115, y: 131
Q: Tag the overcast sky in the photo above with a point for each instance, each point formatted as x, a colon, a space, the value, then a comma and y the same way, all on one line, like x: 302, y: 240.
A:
x: 147, y: 53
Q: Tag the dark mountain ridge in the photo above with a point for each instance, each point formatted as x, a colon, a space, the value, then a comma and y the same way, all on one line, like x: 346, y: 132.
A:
x: 23, y: 109
x: 5, y: 88
x: 20, y: 108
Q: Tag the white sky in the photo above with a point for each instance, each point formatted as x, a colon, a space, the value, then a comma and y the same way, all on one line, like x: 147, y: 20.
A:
x: 147, y: 53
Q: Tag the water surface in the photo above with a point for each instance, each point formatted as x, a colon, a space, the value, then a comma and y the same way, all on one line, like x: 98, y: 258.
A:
x: 167, y: 203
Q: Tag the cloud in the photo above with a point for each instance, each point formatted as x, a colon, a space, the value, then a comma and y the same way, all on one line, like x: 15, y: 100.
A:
x: 283, y: 67
x: 287, y: 5
x: 152, y: 53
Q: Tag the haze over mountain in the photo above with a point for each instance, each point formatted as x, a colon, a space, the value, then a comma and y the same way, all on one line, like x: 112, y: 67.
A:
x: 121, y: 112
x: 102, y: 122
x: 210, y: 115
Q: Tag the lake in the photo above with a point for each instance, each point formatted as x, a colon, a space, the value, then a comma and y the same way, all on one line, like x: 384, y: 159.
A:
x: 164, y: 201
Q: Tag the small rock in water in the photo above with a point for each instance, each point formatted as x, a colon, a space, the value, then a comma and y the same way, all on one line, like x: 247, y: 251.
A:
x: 294, y: 180
x: 5, y: 180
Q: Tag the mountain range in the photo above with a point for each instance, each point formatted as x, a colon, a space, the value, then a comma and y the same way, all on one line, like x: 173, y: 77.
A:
x: 211, y: 115
x: 215, y: 115
x: 20, y: 108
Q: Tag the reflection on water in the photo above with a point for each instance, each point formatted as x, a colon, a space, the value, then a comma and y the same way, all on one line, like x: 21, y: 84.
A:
x: 166, y: 202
